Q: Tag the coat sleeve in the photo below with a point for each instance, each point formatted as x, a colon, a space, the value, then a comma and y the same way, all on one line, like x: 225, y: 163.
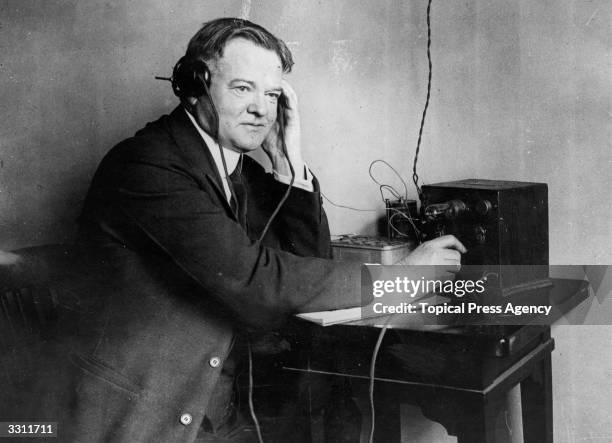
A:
x: 300, y: 226
x: 149, y: 196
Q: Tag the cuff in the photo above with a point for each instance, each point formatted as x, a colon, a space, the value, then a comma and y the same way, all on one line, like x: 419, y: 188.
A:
x: 303, y: 178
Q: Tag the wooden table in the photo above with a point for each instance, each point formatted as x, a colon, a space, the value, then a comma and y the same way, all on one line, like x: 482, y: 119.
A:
x: 459, y: 376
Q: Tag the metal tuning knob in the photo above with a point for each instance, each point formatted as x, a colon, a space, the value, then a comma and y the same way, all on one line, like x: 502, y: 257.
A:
x: 483, y: 207
x: 480, y: 233
x: 455, y: 209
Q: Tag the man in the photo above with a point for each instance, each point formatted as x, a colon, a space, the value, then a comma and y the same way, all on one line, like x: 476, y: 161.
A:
x: 175, y: 215
x: 160, y: 204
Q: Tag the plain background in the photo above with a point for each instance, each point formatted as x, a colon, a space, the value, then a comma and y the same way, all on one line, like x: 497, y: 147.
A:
x: 521, y: 91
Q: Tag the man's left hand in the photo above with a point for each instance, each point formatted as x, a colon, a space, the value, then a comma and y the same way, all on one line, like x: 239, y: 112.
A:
x: 273, y: 146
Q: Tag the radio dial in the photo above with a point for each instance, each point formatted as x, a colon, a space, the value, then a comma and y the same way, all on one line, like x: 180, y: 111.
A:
x: 483, y: 207
x: 481, y: 234
x: 455, y: 209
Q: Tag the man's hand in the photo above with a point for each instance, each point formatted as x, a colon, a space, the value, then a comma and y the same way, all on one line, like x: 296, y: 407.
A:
x: 443, y: 251
x: 272, y: 145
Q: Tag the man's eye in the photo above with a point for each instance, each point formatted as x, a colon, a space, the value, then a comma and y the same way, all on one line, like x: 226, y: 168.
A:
x: 241, y: 89
x: 273, y: 96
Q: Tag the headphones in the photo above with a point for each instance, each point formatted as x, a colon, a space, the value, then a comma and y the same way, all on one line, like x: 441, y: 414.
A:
x: 190, y: 78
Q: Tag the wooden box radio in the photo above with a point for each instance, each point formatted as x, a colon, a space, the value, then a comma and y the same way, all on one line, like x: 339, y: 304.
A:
x: 503, y: 224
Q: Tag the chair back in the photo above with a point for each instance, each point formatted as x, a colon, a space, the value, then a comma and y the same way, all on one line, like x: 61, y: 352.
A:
x: 28, y: 302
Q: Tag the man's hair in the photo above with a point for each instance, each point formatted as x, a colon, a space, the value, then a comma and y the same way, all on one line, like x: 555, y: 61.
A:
x: 208, y: 43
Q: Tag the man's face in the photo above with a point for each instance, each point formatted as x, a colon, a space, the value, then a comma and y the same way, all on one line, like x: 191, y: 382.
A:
x: 245, y: 87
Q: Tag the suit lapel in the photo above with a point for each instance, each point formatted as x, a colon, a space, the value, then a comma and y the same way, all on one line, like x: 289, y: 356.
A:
x: 198, y: 155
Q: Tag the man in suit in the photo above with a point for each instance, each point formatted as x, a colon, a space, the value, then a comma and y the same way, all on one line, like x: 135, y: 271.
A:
x: 198, y: 246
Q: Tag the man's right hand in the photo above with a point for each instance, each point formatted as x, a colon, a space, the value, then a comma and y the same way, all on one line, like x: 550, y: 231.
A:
x: 443, y: 251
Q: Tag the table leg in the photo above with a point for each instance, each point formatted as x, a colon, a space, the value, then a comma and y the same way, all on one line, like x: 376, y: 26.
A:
x: 536, y: 399
x: 481, y: 423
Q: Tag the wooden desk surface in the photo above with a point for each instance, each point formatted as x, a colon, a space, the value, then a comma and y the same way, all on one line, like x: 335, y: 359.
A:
x: 465, y: 357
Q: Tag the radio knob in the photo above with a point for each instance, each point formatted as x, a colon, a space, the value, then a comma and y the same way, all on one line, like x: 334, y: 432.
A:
x: 481, y: 234
x: 455, y: 209
x: 483, y: 207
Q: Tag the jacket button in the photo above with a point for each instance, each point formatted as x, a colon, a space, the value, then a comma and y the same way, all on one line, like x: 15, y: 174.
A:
x: 186, y: 419
x: 214, y: 362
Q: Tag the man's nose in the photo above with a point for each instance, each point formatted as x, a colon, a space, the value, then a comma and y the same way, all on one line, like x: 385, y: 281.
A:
x: 258, y: 105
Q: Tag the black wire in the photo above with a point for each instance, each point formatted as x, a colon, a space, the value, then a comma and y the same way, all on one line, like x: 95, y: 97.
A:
x: 388, y: 186
x: 391, y: 190
x: 251, y: 406
x: 216, y: 138
x: 408, y: 217
x: 381, y: 187
x: 285, y: 196
x: 415, y: 179
x: 415, y: 176
x: 346, y: 207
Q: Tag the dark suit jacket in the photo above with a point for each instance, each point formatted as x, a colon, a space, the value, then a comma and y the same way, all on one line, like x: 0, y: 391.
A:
x: 181, y: 275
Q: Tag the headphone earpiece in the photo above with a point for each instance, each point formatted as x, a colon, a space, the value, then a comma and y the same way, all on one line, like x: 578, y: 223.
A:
x: 190, y: 78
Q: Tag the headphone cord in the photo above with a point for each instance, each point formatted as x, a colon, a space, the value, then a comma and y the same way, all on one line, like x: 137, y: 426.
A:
x: 251, y: 406
x: 215, y: 134
x: 381, y: 335
x: 285, y: 196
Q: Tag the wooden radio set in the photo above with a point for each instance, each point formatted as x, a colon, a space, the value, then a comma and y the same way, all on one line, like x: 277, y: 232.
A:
x: 503, y: 225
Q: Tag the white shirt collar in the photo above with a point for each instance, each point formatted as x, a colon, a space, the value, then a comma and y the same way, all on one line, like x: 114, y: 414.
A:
x: 231, y: 157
